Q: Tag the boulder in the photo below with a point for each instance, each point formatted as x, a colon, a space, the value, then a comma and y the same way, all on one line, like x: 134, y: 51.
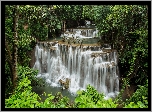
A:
x: 65, y: 84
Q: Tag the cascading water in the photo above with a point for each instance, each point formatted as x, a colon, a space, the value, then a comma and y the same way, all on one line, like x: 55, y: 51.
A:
x: 87, y: 33
x: 82, y: 65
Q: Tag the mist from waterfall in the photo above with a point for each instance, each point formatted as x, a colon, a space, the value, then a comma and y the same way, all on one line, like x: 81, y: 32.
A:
x: 82, y: 65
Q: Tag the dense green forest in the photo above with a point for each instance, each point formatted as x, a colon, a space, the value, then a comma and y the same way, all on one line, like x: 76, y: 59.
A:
x: 125, y: 27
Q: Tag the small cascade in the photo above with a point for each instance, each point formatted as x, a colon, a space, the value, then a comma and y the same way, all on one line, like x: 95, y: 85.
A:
x: 95, y: 33
x: 81, y: 33
x: 80, y: 65
x: 87, y: 31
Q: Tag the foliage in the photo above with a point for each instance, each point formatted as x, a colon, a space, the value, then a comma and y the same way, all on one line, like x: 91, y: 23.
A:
x: 31, y: 74
x: 92, y: 99
x: 26, y: 71
x: 135, y: 45
x: 119, y: 99
x: 57, y: 101
x: 125, y: 27
x: 25, y: 43
x: 31, y: 16
x: 69, y: 12
x: 8, y: 81
x: 25, y: 98
x: 140, y: 97
x: 138, y: 105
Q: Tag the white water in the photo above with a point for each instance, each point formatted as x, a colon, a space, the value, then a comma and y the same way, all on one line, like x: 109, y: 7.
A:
x: 78, y: 33
x: 79, y: 65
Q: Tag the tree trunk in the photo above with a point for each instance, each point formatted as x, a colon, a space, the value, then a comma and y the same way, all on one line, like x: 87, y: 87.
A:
x: 15, y: 49
x: 9, y: 58
x: 64, y: 26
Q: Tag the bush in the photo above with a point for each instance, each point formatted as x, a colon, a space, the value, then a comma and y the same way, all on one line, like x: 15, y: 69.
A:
x: 92, y: 99
x: 139, y: 98
x: 31, y: 73
x: 25, y: 98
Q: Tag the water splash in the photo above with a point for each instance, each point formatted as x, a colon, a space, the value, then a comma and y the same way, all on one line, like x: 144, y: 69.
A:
x: 82, y: 65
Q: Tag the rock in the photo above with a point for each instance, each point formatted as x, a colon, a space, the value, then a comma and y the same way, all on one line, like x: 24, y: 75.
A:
x: 65, y: 84
x: 113, y: 63
x: 62, y: 82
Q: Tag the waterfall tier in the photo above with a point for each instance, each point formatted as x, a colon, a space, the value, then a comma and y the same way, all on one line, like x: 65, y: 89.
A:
x: 81, y: 33
x: 81, y: 65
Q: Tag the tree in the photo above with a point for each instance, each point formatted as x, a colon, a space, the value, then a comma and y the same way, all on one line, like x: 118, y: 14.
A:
x: 16, y: 15
x: 14, y: 45
x: 12, y: 58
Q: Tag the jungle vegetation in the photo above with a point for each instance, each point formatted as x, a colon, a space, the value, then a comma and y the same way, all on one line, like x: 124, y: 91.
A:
x: 125, y: 27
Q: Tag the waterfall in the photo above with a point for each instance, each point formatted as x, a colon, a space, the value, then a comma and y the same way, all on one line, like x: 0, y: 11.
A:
x: 86, y: 33
x: 95, y: 33
x: 82, y: 65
